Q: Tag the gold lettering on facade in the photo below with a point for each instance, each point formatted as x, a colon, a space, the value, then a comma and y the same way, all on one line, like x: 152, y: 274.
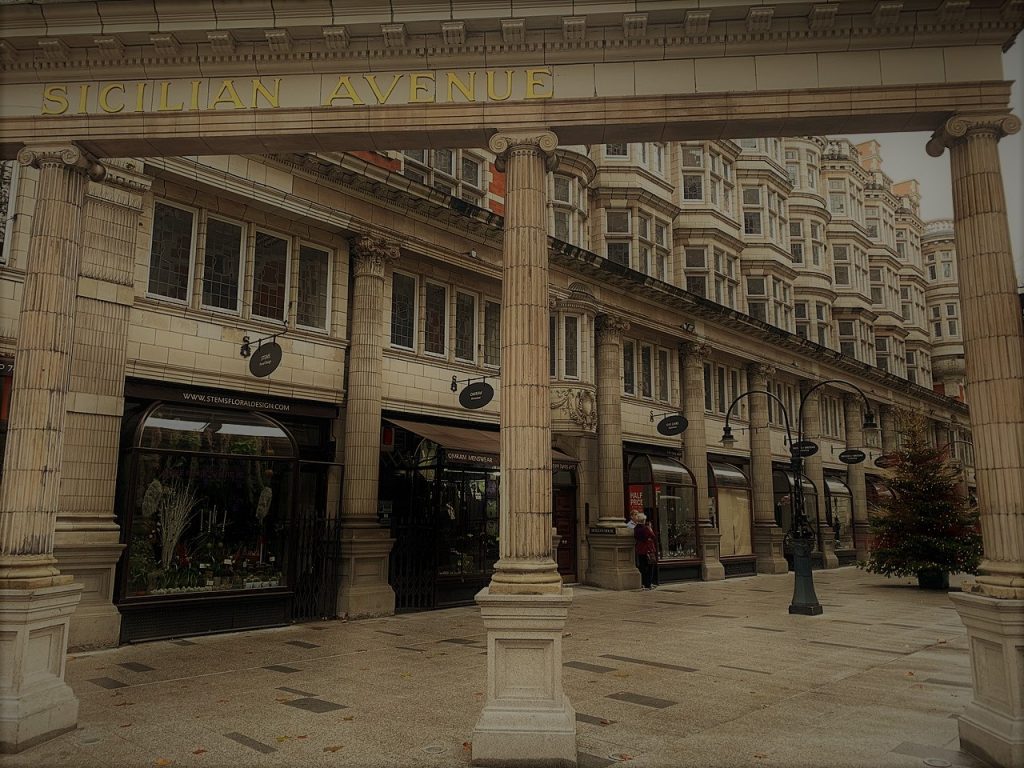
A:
x: 468, y: 90
x: 416, y: 88
x: 343, y: 90
x: 55, y: 100
x: 227, y: 95
x: 492, y: 95
x: 382, y: 97
x: 273, y: 98
x: 203, y: 94
x: 533, y: 83
x: 83, y: 98
x: 104, y: 98
x: 165, y: 88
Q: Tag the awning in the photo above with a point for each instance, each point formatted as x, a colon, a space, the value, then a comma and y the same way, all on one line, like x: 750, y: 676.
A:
x: 836, y: 487
x: 465, y: 445
x: 727, y: 475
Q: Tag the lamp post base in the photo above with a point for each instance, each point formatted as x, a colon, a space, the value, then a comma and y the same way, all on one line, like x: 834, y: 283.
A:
x: 805, y: 601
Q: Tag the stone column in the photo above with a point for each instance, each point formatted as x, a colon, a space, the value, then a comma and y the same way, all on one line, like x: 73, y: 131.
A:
x: 887, y: 423
x: 612, y: 560
x: 88, y: 542
x: 767, y: 536
x: 695, y: 454
x: 365, y: 545
x: 854, y: 417
x: 991, y: 606
x: 524, y: 609
x: 36, y: 601
x: 814, y: 470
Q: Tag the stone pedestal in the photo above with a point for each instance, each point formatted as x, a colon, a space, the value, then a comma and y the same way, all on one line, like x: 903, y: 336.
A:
x: 97, y: 622
x: 767, y: 541
x: 613, y: 558
x: 828, y: 551
x: 992, y: 725
x: 35, y: 702
x: 365, y: 590
x: 527, y: 719
x: 711, y: 568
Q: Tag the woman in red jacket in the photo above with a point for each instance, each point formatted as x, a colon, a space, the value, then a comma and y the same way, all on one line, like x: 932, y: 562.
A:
x: 646, y: 552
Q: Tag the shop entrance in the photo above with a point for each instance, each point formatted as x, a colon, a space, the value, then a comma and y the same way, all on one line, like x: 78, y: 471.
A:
x: 563, y: 510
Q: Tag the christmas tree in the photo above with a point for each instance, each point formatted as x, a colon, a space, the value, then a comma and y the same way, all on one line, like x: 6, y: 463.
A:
x: 927, y: 528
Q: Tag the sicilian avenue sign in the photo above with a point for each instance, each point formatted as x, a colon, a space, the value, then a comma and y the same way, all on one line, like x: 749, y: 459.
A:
x: 289, y: 91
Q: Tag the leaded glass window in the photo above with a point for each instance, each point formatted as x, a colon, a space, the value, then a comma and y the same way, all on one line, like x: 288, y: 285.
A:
x: 403, y: 310
x: 663, y: 374
x: 170, y: 257
x: 270, y: 277
x: 465, y: 326
x: 646, y: 372
x: 628, y: 368
x: 492, y: 333
x: 572, y: 346
x: 314, y: 287
x: 223, y: 262
x: 436, y: 319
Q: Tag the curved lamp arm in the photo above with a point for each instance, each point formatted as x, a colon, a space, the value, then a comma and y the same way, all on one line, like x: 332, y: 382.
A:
x: 869, y: 416
x: 727, y: 431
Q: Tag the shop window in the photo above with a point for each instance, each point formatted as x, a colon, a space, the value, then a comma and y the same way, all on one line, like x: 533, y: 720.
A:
x: 492, y: 333
x: 731, y: 508
x: 314, y: 287
x: 783, y: 487
x: 664, y: 490
x: 209, y: 500
x: 838, y: 523
x: 270, y: 277
x: 222, y: 264
x: 170, y: 257
x: 435, y: 320
x: 403, y: 311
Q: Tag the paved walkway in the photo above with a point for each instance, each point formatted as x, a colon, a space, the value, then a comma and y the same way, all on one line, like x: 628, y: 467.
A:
x: 695, y: 674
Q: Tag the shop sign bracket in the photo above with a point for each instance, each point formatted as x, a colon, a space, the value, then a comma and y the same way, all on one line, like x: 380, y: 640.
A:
x: 267, y: 355
x: 477, y: 394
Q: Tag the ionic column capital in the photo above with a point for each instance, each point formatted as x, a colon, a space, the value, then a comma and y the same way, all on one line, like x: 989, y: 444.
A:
x: 503, y: 145
x: 696, y: 350
x: 960, y: 127
x: 372, y: 254
x: 610, y: 328
x: 62, y: 154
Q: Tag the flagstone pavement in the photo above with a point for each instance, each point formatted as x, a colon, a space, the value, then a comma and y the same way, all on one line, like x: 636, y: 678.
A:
x: 693, y: 674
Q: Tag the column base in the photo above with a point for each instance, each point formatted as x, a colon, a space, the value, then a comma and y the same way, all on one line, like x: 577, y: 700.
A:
x: 767, y: 540
x: 862, y: 537
x: 711, y: 568
x: 612, y: 558
x: 97, y: 622
x: 364, y: 591
x: 828, y: 554
x: 992, y: 726
x: 527, y: 721
x: 35, y: 702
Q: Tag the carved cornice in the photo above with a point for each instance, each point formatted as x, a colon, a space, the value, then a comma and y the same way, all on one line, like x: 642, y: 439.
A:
x: 610, y: 328
x: 371, y: 255
x: 64, y: 154
x: 540, y: 142
x: 961, y: 127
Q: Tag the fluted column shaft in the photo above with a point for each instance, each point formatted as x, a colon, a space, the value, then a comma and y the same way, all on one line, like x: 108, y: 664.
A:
x: 695, y: 448
x: 31, y: 488
x: 525, y: 566
x: 609, y: 418
x: 761, y: 448
x: 887, y: 423
x: 855, y: 479
x: 370, y: 257
x: 993, y: 337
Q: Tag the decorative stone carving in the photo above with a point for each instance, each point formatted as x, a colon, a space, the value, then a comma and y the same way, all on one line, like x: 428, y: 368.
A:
x: 610, y: 329
x: 454, y: 33
x: 762, y: 370
x: 699, y: 350
x: 959, y: 127
x: 503, y: 144
x: 579, y: 405
x: 39, y: 155
x: 371, y: 255
x: 513, y: 31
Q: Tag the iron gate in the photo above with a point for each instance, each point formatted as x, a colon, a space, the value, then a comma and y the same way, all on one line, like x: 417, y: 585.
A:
x: 317, y: 567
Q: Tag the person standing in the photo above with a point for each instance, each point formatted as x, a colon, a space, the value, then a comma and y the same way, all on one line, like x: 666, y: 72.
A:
x: 646, y: 552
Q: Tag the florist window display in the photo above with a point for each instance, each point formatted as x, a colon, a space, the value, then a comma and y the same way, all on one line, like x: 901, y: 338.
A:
x: 208, y: 502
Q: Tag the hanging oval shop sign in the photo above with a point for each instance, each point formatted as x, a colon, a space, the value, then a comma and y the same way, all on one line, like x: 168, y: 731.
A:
x: 476, y: 395
x: 852, y: 456
x: 675, y: 424
x: 887, y: 461
x: 803, y: 448
x: 264, y: 361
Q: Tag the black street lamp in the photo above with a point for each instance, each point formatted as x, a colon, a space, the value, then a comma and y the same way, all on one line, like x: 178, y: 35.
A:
x: 805, y: 601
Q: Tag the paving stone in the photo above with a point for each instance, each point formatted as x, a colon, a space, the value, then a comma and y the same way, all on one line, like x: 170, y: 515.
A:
x: 108, y: 682
x: 245, y: 741
x: 311, y: 704
x: 644, y: 701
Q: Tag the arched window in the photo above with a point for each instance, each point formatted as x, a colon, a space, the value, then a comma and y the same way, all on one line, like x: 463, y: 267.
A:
x: 664, y: 490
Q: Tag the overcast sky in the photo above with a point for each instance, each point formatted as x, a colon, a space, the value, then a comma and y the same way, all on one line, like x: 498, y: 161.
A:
x: 904, y: 157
